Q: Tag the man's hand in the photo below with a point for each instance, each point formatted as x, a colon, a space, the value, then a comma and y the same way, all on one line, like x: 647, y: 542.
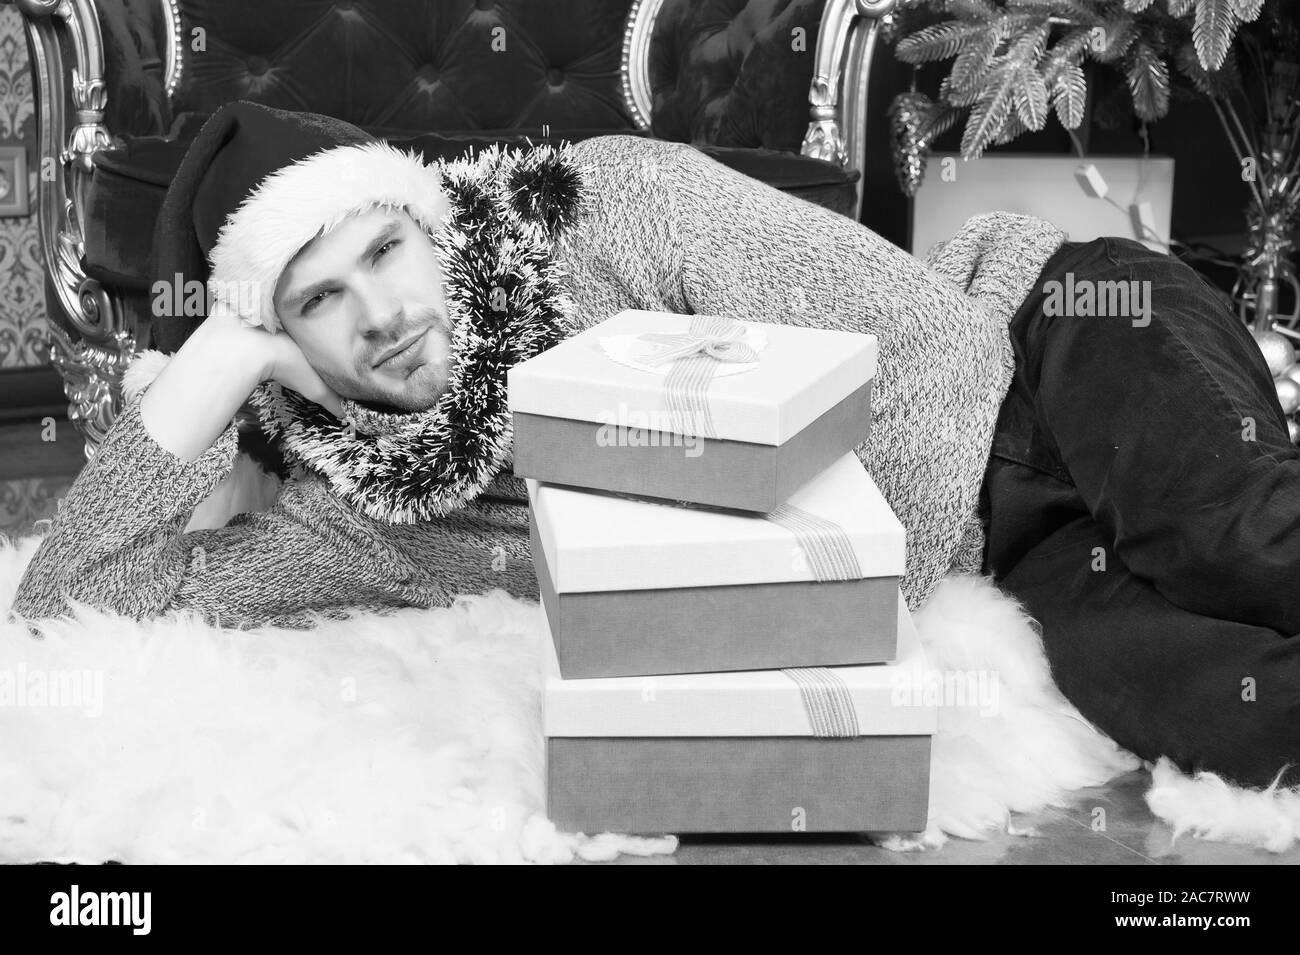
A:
x: 284, y: 363
x: 197, y: 395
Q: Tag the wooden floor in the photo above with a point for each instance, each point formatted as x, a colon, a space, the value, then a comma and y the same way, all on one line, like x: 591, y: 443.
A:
x: 1065, y: 836
x: 35, y: 472
x: 38, y: 461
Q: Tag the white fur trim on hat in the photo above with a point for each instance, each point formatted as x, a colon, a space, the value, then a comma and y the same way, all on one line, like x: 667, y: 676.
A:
x: 305, y: 199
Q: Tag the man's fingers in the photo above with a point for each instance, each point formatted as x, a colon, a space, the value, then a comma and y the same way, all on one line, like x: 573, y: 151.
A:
x: 328, y: 400
x: 292, y: 370
x: 314, y: 389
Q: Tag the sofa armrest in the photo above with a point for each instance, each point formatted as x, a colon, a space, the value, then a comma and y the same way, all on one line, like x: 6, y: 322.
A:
x: 846, y: 44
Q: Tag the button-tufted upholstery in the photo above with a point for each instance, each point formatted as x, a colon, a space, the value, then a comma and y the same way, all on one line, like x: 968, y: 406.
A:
x: 411, y: 65
x: 443, y: 76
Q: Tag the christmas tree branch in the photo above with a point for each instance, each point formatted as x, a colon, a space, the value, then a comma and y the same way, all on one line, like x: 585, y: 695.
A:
x: 1239, y: 148
x: 998, y: 77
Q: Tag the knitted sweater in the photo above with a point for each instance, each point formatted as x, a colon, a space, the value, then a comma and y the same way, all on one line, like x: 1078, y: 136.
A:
x: 665, y: 228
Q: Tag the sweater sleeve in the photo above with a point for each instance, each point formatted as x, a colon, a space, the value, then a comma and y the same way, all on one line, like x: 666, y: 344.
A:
x: 115, y: 542
x: 118, y: 544
x: 623, y: 252
x: 746, y: 250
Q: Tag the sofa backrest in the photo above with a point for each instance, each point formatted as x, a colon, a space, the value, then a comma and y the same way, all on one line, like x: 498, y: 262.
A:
x: 449, y: 65
x: 733, y: 72
x: 719, y: 72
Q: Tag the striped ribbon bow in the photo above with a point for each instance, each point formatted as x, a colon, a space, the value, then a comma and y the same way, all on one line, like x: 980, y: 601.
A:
x: 724, y: 345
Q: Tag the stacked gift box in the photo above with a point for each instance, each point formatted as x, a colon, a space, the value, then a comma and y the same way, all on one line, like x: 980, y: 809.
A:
x: 728, y: 649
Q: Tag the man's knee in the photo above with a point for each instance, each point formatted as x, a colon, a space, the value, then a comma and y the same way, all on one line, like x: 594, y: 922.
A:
x: 1210, y: 694
x: 1235, y: 716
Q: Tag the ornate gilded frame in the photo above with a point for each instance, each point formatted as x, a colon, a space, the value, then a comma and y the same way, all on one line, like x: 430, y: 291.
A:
x: 92, y: 363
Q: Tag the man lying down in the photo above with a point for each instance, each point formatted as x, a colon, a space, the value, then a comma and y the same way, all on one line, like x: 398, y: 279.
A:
x: 1096, y: 466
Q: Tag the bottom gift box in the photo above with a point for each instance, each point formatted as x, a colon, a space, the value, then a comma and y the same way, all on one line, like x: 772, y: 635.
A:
x: 820, y: 749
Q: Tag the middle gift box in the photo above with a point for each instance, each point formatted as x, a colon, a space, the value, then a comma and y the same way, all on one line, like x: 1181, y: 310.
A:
x: 634, y: 587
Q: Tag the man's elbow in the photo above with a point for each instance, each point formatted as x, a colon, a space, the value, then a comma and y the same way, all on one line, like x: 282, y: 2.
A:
x: 45, y: 593
x: 37, y: 598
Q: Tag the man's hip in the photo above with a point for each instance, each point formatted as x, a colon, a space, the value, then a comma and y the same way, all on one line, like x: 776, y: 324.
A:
x: 1141, y: 401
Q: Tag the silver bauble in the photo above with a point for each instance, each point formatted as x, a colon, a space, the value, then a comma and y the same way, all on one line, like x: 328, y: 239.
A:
x: 1278, y: 351
x: 1288, y: 395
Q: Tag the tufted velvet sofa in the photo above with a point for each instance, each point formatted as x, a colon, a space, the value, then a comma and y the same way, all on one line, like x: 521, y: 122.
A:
x: 772, y: 88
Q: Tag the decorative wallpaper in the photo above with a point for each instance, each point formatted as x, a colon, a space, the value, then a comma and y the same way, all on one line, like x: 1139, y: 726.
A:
x: 25, y: 502
x: 22, y: 292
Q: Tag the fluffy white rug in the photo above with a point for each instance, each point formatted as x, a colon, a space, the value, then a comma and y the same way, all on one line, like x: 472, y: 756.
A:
x: 1206, y: 807
x: 412, y: 738
x: 416, y: 738
x: 1028, y: 748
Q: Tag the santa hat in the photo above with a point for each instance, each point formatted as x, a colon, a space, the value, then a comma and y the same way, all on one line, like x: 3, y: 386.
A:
x: 256, y: 185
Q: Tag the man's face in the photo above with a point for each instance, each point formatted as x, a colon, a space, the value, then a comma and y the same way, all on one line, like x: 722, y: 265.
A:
x: 366, y: 305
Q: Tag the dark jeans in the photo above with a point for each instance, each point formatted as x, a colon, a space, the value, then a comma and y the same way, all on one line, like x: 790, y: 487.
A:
x: 1143, y: 501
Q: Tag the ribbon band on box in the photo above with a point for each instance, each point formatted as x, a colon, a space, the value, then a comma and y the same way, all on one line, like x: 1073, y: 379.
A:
x: 830, y: 556
x: 826, y: 700
x: 695, y: 356
x: 824, y: 543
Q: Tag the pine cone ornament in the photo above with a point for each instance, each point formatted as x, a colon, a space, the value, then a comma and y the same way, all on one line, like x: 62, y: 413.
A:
x: 907, y: 117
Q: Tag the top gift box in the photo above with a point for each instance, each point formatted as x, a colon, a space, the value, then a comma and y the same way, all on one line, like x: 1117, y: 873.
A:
x: 694, y: 408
